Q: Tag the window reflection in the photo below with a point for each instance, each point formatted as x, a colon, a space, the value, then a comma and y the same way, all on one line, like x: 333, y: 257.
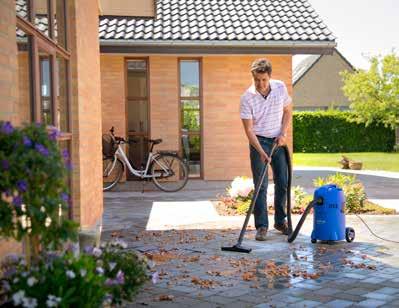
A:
x: 189, y: 78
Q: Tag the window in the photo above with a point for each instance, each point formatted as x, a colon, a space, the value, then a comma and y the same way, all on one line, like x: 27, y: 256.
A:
x: 43, y: 65
x: 190, y: 106
x: 137, y: 110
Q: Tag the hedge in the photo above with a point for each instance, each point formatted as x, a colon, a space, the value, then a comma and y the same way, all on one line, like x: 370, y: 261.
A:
x: 335, y: 131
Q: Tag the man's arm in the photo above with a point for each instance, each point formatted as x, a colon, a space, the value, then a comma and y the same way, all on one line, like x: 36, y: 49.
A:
x: 287, y: 116
x: 248, y: 126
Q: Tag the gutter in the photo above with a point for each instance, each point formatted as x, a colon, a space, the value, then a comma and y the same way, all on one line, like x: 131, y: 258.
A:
x: 225, y: 43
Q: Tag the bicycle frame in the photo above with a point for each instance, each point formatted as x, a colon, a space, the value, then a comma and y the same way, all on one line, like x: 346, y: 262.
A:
x: 140, y: 173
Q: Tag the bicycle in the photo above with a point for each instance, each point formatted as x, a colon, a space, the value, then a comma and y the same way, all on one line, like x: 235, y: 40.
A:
x: 165, y: 168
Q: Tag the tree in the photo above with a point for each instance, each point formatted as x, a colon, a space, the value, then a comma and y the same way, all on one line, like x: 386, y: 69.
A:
x: 374, y: 94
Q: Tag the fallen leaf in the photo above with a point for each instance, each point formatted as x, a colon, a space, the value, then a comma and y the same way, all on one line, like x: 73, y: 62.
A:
x: 166, y: 297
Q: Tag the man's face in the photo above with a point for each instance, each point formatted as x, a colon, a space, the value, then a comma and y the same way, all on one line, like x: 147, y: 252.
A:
x: 261, y: 81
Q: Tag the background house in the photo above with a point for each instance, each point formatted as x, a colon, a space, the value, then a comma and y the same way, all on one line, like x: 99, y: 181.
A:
x: 179, y: 76
x: 318, y: 84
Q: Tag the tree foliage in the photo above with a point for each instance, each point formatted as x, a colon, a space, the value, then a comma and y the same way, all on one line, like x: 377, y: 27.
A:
x: 374, y: 93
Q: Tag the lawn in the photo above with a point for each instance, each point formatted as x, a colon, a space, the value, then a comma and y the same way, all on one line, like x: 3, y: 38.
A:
x: 371, y: 161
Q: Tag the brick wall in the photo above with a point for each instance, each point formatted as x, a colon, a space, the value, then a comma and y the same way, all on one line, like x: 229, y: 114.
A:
x: 113, y: 94
x: 164, y: 87
x: 8, y: 62
x: 226, y: 152
x: 86, y: 113
x: 8, y: 85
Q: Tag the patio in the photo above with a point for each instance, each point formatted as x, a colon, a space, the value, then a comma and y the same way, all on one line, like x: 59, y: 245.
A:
x: 182, y: 234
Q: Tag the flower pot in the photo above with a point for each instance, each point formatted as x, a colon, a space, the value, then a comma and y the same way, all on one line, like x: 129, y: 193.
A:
x: 355, y: 165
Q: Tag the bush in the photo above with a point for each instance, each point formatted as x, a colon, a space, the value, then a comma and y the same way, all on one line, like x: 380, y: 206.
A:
x: 335, y: 131
x: 33, y: 187
x: 301, y: 200
x: 353, y: 190
x: 98, y: 276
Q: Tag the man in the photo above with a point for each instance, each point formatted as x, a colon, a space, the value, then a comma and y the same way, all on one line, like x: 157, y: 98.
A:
x: 266, y: 112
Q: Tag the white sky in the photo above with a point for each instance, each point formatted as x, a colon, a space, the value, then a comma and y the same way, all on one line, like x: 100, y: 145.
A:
x: 362, y: 27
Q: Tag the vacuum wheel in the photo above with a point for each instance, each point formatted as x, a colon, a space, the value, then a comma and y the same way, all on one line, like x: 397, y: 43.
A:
x: 349, y: 234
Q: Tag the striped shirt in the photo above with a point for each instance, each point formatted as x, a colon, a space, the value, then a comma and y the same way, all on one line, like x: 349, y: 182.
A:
x: 267, y: 114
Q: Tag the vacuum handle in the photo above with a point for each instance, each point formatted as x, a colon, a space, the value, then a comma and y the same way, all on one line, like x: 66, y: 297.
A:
x: 255, y: 197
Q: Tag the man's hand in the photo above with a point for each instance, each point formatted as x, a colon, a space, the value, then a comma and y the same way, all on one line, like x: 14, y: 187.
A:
x: 264, y: 157
x: 281, y: 140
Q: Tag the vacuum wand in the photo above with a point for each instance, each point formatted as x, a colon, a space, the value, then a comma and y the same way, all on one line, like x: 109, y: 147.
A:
x: 237, y: 247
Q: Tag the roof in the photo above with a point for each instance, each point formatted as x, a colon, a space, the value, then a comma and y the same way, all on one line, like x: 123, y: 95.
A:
x: 221, y: 20
x: 259, y: 25
x: 303, y: 66
x: 306, y: 65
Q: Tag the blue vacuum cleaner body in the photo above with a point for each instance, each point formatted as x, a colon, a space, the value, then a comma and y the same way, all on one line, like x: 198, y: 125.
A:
x: 329, y: 215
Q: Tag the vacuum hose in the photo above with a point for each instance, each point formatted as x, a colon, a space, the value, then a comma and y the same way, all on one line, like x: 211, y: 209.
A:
x: 293, y: 234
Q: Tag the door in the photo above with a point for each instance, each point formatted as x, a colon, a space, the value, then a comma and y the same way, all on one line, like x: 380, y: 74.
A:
x: 137, y: 110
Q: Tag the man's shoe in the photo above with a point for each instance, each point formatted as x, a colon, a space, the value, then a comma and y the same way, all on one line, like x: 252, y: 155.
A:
x: 261, y: 234
x: 283, y: 228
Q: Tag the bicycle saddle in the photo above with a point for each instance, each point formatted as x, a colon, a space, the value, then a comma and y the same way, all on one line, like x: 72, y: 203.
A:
x: 155, y: 141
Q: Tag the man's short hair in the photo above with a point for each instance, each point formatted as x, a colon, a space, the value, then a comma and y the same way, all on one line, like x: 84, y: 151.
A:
x: 261, y: 66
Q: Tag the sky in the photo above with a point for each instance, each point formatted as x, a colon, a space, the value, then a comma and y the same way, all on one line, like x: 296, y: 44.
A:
x: 362, y: 27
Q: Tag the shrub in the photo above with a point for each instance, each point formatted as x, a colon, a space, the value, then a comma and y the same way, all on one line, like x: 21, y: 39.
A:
x: 335, y: 131
x: 353, y: 190
x: 32, y: 187
x: 96, y: 277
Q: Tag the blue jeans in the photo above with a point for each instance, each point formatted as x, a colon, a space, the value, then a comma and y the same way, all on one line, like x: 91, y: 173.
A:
x: 280, y: 175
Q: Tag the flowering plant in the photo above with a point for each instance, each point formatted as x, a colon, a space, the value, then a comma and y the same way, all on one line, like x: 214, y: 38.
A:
x: 33, y: 192
x: 99, y: 276
x: 125, y: 270
x: 241, y: 187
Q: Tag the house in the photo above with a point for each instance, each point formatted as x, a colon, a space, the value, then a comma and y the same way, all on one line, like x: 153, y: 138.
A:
x: 317, y: 82
x: 170, y: 69
x: 179, y: 76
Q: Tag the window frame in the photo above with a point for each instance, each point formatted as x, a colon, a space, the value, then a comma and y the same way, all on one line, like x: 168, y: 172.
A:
x: 198, y: 98
x: 39, y: 41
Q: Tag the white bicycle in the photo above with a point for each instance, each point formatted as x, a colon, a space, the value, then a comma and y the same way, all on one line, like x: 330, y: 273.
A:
x: 165, y: 168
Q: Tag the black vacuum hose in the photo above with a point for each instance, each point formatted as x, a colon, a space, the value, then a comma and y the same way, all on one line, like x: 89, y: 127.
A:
x: 289, y: 164
x: 293, y: 234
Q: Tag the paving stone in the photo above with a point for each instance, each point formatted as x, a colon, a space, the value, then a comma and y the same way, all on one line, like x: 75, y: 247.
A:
x: 372, y: 303
x: 374, y: 280
x: 349, y: 297
x: 235, y: 292
x: 339, y: 303
x: 307, y: 304
x: 387, y: 290
x: 380, y: 296
x: 327, y: 291
x: 357, y: 291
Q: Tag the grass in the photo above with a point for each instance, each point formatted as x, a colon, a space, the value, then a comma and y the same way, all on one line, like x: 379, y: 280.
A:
x: 371, y: 161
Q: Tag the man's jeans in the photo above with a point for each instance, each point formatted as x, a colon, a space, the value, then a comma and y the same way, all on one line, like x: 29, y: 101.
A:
x: 280, y: 174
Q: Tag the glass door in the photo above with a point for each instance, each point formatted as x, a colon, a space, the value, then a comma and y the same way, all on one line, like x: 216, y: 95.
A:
x: 137, y: 111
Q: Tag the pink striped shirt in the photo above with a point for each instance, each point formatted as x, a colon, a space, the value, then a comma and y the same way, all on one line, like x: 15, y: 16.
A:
x: 267, y: 114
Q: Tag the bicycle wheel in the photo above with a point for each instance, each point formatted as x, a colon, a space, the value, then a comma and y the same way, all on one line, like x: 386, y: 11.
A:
x: 112, y: 172
x: 170, y: 173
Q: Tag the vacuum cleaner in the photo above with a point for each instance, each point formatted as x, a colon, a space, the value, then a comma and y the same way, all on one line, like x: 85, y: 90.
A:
x: 329, y: 212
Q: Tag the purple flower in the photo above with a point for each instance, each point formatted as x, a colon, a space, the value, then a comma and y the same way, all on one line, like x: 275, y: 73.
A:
x: 27, y: 142
x: 17, y: 201
x: 6, y: 286
x: 88, y: 249
x: 7, y: 128
x: 68, y: 166
x: 155, y: 277
x: 5, y: 164
x: 22, y: 185
x: 54, y: 133
x: 120, y: 277
x: 65, y: 154
x: 109, y: 282
x: 64, y: 197
x: 42, y: 149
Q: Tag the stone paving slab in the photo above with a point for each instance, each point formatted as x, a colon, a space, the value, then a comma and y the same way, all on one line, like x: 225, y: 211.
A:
x: 193, y: 269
